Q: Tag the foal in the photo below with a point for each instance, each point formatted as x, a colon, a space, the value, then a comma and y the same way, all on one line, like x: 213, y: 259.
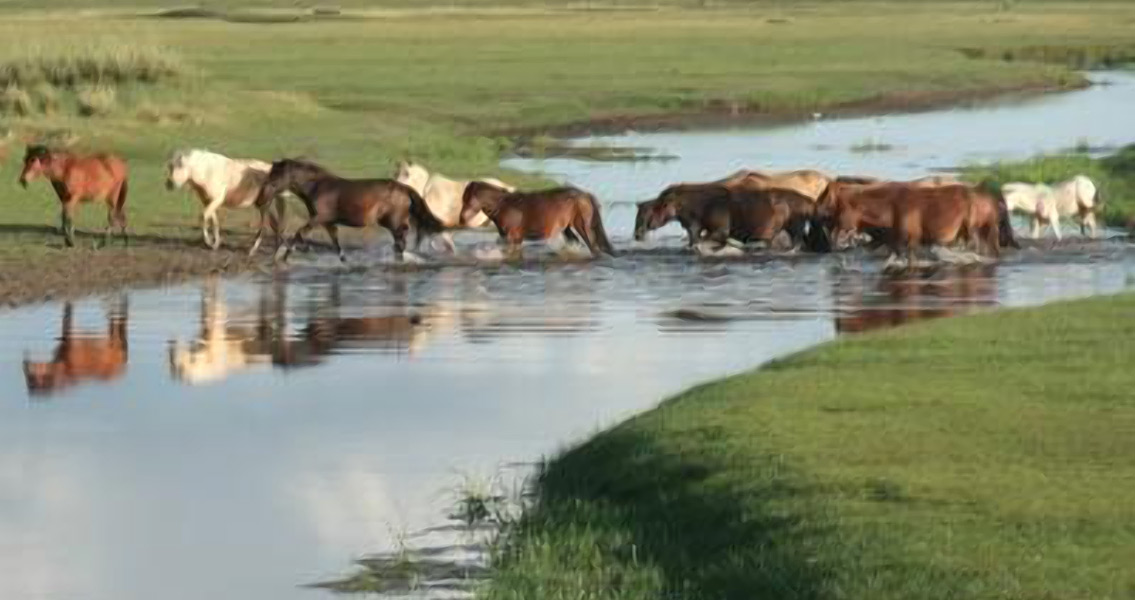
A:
x: 77, y: 178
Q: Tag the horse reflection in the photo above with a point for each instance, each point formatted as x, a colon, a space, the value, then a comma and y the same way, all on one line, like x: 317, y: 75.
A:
x: 899, y: 299
x: 81, y: 355
x: 226, y: 345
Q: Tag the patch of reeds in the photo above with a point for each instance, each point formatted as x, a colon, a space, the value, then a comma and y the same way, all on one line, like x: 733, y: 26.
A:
x: 1080, y: 56
x: 105, y: 65
x: 96, y: 100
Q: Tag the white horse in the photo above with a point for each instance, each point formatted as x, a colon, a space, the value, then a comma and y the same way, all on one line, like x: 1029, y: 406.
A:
x: 1045, y: 205
x: 220, y: 348
x: 222, y: 181
x: 443, y: 196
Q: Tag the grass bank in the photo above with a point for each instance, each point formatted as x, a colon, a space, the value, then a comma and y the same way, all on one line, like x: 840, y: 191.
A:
x: 363, y: 88
x: 978, y: 457
x: 1114, y: 176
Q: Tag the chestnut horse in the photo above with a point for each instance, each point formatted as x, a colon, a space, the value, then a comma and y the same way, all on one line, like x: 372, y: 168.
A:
x: 539, y: 215
x: 332, y: 201
x: 81, y: 356
x: 687, y: 203
x: 77, y: 178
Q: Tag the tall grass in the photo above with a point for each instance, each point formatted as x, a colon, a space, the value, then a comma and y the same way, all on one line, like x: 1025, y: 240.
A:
x: 69, y: 67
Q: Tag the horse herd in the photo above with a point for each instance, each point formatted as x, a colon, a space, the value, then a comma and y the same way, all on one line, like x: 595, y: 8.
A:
x: 815, y: 211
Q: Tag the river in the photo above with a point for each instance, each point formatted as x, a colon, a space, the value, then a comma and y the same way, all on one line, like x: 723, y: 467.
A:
x: 240, y: 438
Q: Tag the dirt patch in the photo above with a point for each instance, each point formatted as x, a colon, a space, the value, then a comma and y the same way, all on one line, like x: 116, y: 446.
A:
x: 79, y: 271
x: 731, y: 114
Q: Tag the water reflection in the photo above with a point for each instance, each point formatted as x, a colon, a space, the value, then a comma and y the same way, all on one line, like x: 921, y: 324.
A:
x: 228, y: 343
x: 81, y: 356
x: 887, y: 300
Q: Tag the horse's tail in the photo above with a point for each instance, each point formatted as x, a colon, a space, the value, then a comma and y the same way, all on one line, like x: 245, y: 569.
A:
x: 421, y: 217
x: 597, y: 229
x: 120, y: 201
x: 1006, y: 237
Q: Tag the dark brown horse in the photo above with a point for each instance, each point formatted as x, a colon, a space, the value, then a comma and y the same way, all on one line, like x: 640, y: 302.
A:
x: 759, y: 216
x: 687, y: 203
x: 78, y: 178
x: 540, y: 215
x: 81, y: 356
x: 332, y: 201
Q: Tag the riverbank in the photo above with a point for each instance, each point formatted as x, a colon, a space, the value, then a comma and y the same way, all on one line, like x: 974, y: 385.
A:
x: 1114, y: 176
x: 360, y: 92
x: 967, y: 458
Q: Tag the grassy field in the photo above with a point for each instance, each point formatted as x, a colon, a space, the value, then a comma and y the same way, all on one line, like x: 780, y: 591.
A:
x: 980, y: 457
x: 360, y: 90
x: 1114, y: 175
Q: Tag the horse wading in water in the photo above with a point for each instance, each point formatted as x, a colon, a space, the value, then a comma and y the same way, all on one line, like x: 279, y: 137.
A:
x: 332, y: 201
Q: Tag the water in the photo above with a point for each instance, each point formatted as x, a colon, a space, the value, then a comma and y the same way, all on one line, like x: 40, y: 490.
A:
x: 240, y: 438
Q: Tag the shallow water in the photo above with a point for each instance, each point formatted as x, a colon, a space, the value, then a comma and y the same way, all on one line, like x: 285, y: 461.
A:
x: 240, y: 438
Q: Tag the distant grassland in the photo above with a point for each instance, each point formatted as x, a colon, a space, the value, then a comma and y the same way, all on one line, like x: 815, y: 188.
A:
x: 362, y: 89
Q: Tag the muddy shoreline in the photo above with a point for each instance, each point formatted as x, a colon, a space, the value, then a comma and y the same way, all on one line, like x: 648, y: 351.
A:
x: 721, y: 114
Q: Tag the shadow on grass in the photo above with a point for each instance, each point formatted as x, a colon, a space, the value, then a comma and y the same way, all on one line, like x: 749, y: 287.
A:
x: 625, y: 517
x: 52, y: 233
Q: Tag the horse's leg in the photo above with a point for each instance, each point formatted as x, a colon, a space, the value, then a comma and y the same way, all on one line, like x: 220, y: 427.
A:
x: 399, y: 233
x: 279, y: 221
x: 333, y: 232
x: 284, y: 251
x: 1034, y: 227
x: 514, y: 239
x: 67, y: 224
x: 1090, y: 222
x: 1054, y: 222
x: 209, y: 215
x: 260, y: 230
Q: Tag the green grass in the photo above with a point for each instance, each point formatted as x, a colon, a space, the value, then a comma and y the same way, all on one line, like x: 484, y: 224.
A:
x: 360, y: 90
x: 1114, y: 176
x: 981, y: 457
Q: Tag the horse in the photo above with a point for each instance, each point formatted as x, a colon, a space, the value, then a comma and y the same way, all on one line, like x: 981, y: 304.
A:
x: 875, y: 209
x: 748, y: 216
x: 942, y: 215
x: 687, y: 203
x: 220, y: 181
x: 332, y: 201
x: 80, y: 178
x: 81, y: 356
x: 541, y: 215
x: 1045, y: 205
x: 444, y: 196
x: 806, y: 182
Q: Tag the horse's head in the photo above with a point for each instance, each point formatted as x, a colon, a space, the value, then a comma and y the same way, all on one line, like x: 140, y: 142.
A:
x: 480, y: 196
x: 177, y: 170
x: 37, y: 162
x: 656, y: 213
x: 41, y: 377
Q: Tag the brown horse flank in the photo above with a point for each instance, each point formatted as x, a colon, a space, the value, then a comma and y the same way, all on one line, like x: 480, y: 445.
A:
x: 539, y: 215
x: 332, y: 201
x: 77, y: 178
x: 81, y: 356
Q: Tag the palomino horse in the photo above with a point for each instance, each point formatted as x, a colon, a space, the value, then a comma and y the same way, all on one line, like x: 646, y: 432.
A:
x: 220, y: 181
x: 81, y: 356
x: 444, y: 196
x: 1077, y: 197
x: 332, y: 201
x: 806, y: 182
x: 540, y: 215
x: 78, y: 178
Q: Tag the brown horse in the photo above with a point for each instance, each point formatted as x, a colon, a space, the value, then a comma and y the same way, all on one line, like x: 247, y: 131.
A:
x: 81, y: 356
x: 539, y: 215
x: 687, y: 203
x: 332, y: 201
x: 758, y: 216
x: 77, y: 178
